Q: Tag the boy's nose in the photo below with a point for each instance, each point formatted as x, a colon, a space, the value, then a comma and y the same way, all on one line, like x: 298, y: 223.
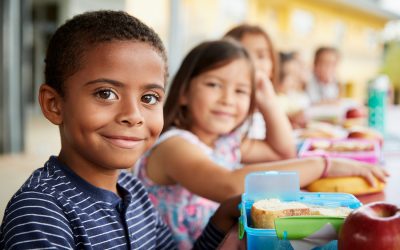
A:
x: 130, y: 113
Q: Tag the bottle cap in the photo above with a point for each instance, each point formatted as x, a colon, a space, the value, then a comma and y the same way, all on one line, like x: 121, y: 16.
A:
x: 381, y: 82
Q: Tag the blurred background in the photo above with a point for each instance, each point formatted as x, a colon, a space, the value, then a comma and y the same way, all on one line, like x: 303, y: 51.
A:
x: 366, y: 33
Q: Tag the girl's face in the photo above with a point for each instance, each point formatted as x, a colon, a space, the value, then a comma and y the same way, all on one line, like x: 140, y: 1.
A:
x: 218, y: 100
x: 112, y: 110
x: 259, y: 50
x: 292, y: 80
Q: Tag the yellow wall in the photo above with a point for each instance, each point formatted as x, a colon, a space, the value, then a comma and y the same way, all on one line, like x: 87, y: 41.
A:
x: 360, y: 49
x: 359, y: 46
x: 154, y: 13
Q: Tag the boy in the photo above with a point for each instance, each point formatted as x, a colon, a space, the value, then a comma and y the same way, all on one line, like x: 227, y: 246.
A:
x: 105, y: 75
x: 323, y: 86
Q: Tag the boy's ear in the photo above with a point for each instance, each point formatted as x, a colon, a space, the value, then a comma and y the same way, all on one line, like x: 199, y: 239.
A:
x: 51, y: 104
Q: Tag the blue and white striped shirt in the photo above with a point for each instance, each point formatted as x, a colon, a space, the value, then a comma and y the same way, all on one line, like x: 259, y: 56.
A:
x: 56, y: 209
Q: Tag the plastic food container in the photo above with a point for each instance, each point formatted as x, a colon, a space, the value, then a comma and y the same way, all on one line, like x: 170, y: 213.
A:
x: 284, y: 186
x: 356, y: 149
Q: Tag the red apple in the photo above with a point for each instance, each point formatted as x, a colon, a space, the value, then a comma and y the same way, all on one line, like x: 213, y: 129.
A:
x: 367, y: 134
x: 356, y: 112
x: 372, y: 226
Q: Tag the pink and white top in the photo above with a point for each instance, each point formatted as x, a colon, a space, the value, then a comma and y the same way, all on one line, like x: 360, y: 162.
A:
x: 186, y: 213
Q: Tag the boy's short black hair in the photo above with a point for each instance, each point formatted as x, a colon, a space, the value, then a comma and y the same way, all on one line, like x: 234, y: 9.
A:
x: 81, y: 33
x: 322, y: 50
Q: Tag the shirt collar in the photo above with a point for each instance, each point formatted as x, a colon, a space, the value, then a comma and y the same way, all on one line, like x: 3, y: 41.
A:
x: 96, y: 193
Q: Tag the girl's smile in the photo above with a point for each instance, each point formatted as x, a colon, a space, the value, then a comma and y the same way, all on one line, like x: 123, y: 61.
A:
x: 223, y: 115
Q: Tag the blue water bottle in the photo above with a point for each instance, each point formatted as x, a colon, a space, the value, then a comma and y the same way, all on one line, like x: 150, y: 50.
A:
x: 377, y: 100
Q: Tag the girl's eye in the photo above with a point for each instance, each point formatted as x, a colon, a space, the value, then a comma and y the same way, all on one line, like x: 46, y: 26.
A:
x: 106, y: 94
x: 212, y: 84
x: 150, y: 99
x: 242, y: 91
x: 261, y: 56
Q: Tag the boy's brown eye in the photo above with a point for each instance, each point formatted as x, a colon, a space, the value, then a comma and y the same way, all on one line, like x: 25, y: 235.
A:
x: 106, y: 94
x: 150, y: 99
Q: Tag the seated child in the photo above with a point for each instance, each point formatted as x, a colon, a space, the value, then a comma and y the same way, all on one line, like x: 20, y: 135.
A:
x: 274, y: 124
x: 202, y: 157
x: 291, y: 94
x: 105, y: 78
x: 323, y: 86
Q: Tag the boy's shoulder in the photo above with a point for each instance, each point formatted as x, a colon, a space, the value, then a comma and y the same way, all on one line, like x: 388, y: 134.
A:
x: 45, y: 179
x: 43, y: 183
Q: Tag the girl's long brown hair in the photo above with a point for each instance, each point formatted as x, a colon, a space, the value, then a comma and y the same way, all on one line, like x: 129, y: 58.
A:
x: 240, y: 31
x: 204, y: 57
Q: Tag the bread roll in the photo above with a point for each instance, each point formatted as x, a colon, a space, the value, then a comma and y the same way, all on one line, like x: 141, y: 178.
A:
x: 264, y: 212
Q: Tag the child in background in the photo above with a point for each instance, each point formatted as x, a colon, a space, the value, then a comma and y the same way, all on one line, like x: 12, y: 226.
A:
x: 202, y: 157
x: 290, y: 90
x: 259, y: 45
x: 273, y: 124
x: 323, y: 87
x: 105, y: 77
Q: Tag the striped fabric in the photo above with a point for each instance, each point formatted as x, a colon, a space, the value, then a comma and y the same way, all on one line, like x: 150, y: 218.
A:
x: 56, y: 209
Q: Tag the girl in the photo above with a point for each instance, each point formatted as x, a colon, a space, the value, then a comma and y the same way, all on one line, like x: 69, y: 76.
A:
x: 291, y: 94
x: 201, y: 157
x: 262, y: 52
x: 259, y: 45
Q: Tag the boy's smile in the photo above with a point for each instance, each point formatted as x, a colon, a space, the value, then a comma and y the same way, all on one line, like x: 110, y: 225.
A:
x: 127, y: 142
x: 112, y: 110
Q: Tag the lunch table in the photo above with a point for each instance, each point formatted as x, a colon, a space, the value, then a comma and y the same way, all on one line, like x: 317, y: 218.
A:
x: 390, y: 161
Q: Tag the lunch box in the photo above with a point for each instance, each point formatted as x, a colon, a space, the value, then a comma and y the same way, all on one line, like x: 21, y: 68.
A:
x: 284, y: 186
x: 370, y: 156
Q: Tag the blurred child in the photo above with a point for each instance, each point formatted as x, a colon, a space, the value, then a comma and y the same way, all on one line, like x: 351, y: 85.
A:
x: 105, y: 77
x: 202, y: 157
x: 323, y: 87
x: 262, y: 52
x: 304, y: 72
x: 259, y: 45
x: 290, y: 89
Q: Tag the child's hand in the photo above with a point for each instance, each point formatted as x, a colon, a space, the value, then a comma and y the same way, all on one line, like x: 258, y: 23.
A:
x: 298, y: 120
x: 227, y: 214
x: 347, y: 167
x: 265, y: 92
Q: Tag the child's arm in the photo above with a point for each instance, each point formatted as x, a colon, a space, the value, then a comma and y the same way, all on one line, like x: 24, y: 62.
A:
x: 220, y: 223
x: 227, y: 214
x: 179, y: 161
x: 279, y: 142
x: 35, y: 221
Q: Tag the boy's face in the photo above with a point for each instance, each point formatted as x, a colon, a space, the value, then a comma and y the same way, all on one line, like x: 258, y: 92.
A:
x: 112, y: 111
x: 325, y: 67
